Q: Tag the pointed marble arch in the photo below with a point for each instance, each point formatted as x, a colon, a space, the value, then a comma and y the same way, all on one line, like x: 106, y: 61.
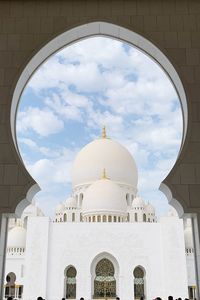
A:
x: 101, y: 256
x: 98, y: 29
x: 34, y: 189
x: 68, y: 267
x: 171, y: 200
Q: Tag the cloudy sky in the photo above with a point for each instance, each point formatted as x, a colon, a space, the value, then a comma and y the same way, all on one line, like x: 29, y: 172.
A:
x: 96, y: 82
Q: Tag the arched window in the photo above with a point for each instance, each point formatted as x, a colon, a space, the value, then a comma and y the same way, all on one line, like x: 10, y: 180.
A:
x: 80, y: 199
x: 25, y: 221
x: 70, y: 283
x: 10, y: 285
x: 144, y: 218
x: 73, y: 217
x: 136, y: 217
x: 128, y: 199
x: 104, y: 282
x: 139, y: 287
x: 109, y: 219
x: 98, y: 218
x: 115, y: 219
x: 65, y: 217
x: 104, y: 218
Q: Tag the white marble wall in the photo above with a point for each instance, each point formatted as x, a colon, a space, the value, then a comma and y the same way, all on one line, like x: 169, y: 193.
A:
x: 158, y: 247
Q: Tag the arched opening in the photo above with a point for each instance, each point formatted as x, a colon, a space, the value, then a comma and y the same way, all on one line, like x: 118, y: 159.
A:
x: 73, y: 217
x: 136, y: 217
x: 12, y: 289
x: 104, y: 282
x: 144, y: 218
x: 108, y: 262
x: 65, y: 217
x: 70, y: 283
x: 139, y: 283
x: 118, y: 220
x: 131, y: 40
x: 80, y: 199
x: 88, y: 30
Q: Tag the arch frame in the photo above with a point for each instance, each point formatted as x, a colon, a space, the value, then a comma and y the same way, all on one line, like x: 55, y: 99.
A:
x: 93, y: 29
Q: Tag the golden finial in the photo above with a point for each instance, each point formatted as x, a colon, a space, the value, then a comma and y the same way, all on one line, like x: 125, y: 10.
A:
x: 104, y: 176
x: 103, y: 135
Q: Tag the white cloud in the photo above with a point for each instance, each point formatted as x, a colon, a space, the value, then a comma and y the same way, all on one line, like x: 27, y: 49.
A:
x: 56, y: 170
x: 43, y: 122
x: 35, y: 147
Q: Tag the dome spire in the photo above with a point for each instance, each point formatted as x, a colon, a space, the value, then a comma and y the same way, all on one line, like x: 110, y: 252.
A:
x: 103, y: 135
x: 104, y: 176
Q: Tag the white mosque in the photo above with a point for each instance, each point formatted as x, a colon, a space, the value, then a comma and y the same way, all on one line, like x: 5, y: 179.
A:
x: 105, y: 241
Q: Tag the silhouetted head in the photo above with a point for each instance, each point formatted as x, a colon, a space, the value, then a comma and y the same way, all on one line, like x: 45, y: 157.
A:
x: 63, y: 298
x: 117, y: 298
x: 170, y: 298
x: 10, y: 298
x: 40, y: 298
x: 158, y: 298
x: 141, y: 298
x: 179, y: 298
x: 81, y: 298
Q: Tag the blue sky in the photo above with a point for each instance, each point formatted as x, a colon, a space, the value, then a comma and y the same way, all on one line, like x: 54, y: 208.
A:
x: 95, y: 82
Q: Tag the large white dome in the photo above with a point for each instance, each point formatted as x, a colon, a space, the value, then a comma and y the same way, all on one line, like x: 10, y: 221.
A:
x: 104, y: 153
x: 104, y: 196
x: 16, y: 237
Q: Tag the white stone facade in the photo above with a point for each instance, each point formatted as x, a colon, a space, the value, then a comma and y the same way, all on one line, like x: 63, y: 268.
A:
x: 103, y: 219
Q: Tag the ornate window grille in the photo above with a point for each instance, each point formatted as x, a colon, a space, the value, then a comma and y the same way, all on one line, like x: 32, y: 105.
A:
x: 104, y: 283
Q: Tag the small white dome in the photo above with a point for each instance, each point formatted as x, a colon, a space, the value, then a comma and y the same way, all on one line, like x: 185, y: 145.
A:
x: 150, y: 209
x: 138, y: 203
x: 104, y: 153
x: 188, y: 237
x: 16, y: 237
x: 60, y: 207
x: 70, y: 202
x: 104, y: 196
